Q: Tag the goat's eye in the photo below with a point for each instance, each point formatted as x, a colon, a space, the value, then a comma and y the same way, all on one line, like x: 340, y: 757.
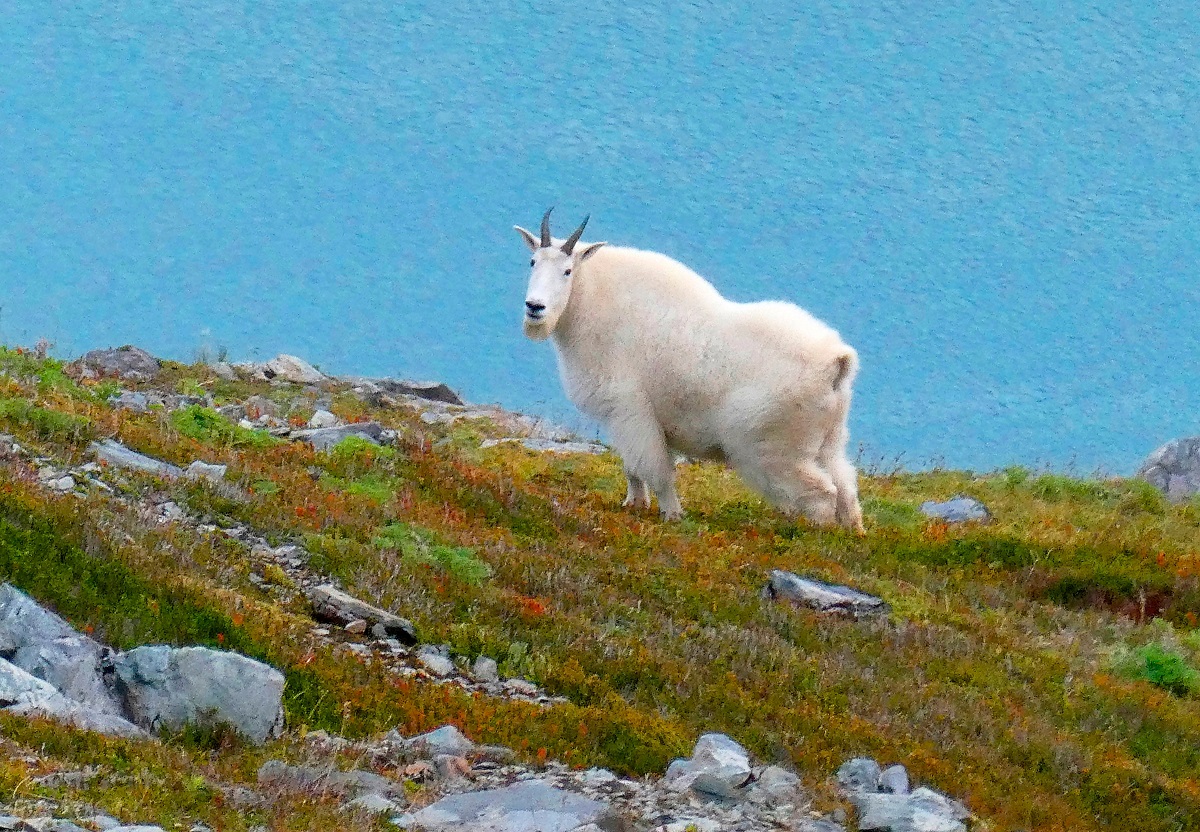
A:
x: 567, y: 273
x: 531, y: 262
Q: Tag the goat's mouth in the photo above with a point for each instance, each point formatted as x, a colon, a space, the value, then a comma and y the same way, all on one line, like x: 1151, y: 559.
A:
x: 535, y: 317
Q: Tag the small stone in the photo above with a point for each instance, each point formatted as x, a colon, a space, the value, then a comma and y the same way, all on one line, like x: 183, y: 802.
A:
x: 224, y: 371
x: 486, y: 670
x: 520, y: 687
x: 104, y: 823
x: 894, y: 780
x: 292, y: 369
x: 598, y: 777
x: 444, y: 740
x: 63, y: 484
x: 958, y: 509
x: 822, y: 596
x: 860, y: 774
x: 323, y: 419
x: 435, y: 662
x: 203, y: 470
x: 357, y: 627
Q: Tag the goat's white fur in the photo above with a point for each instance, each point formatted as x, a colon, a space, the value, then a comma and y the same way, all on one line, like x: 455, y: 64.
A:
x: 651, y: 350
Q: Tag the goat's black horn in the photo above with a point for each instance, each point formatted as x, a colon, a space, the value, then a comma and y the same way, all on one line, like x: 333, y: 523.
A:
x: 546, y: 230
x: 569, y: 245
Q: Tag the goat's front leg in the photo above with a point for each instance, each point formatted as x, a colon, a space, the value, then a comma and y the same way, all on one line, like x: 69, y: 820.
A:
x: 648, y: 463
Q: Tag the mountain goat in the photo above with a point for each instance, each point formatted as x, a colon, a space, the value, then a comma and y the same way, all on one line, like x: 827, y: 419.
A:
x: 652, y: 351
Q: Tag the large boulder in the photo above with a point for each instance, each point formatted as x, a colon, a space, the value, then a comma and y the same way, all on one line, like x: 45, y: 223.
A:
x: 44, y: 645
x: 1174, y: 469
x: 169, y: 687
x: 127, y: 362
x: 884, y: 802
x: 528, y: 805
x: 25, y: 694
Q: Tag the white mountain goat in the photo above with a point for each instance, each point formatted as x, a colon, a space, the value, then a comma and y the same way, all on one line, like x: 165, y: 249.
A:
x: 651, y: 350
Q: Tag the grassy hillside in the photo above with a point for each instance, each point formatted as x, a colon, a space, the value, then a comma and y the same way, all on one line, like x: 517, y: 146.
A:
x: 1041, y: 667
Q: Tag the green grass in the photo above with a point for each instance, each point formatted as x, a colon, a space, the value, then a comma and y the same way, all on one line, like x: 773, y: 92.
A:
x: 45, y: 423
x: 1026, y: 666
x: 207, y: 425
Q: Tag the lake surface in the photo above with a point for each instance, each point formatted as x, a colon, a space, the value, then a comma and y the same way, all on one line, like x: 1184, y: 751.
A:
x: 996, y: 203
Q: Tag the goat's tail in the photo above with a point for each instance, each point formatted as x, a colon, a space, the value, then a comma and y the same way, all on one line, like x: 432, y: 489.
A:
x: 845, y: 368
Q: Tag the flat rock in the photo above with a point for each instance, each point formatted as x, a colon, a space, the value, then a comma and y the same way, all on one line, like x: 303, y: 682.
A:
x: 718, y: 766
x: 958, y: 509
x: 548, y: 445
x: 127, y: 362
x: 332, y: 604
x: 325, y: 779
x: 922, y: 811
x: 433, y: 391
x: 373, y: 804
x: 522, y: 807
x: 290, y: 368
x: 822, y: 596
x: 169, y: 687
x: 325, y: 439
x: 1174, y: 469
x: 117, y: 455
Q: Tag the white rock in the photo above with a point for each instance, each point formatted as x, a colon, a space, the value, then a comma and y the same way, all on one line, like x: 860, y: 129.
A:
x: 718, y: 766
x: 486, y: 670
x: 324, y: 419
x: 203, y: 470
x: 435, y: 662
x: 293, y: 369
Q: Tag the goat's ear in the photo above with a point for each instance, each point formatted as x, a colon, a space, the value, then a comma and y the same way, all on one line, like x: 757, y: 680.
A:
x: 530, y: 240
x: 588, y: 250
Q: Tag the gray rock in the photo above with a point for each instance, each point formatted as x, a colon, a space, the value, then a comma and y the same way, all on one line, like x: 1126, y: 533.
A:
x: 127, y: 362
x: 444, y: 740
x: 435, y: 662
x: 718, y: 766
x: 62, y: 484
x: 116, y: 454
x: 818, y: 825
x: 52, y: 825
x: 24, y: 694
x: 433, y: 391
x: 10, y: 822
x: 486, y: 670
x: 233, y: 412
x: 293, y: 369
x: 168, y: 687
x: 323, y: 419
x: 822, y: 596
x: 136, y: 828
x: 331, y: 604
x: 326, y: 439
x: 259, y: 406
x: 894, y: 780
x: 325, y: 779
x: 914, y: 812
x: 373, y: 804
x: 860, y: 774
x: 549, y: 445
x: 958, y: 509
x: 1174, y: 469
x: 203, y: 470
x: 223, y: 370
x: 130, y: 400
x: 522, y: 807
x: 776, y: 785
x: 39, y: 642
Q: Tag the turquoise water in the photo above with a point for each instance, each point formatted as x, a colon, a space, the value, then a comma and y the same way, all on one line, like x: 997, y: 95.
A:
x: 996, y: 202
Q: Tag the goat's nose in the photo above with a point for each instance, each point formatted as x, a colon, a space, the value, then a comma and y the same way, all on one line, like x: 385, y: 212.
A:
x: 535, y: 308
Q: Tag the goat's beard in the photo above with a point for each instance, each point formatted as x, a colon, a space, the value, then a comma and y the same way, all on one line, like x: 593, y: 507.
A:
x: 537, y: 330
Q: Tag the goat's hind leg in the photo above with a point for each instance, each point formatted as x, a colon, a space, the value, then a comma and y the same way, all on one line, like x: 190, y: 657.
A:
x: 833, y: 456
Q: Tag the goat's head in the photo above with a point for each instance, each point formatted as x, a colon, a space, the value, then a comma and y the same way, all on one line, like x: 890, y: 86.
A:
x: 554, y: 265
